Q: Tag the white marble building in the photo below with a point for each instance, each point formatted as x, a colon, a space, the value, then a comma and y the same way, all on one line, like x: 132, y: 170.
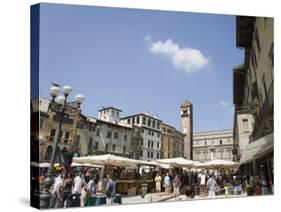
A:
x: 211, y: 145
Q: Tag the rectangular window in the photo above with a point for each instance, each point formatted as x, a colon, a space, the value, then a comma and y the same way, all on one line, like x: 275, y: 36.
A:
x: 98, y: 132
x: 141, y: 153
x: 106, y: 147
x: 148, y: 143
x: 245, y: 125
x: 113, y: 147
x: 148, y: 154
x: 124, y: 149
x: 158, y: 125
x: 108, y: 135
x: 143, y: 120
x: 153, y: 124
x: 157, y: 144
x: 152, y: 133
x: 96, y: 145
x: 138, y: 120
x: 142, y: 141
x: 151, y: 144
x: 157, y: 155
x: 116, y: 135
x: 151, y: 154
x: 66, y: 137
x: 128, y: 121
x: 149, y: 122
x: 90, y: 144
x: 52, y: 134
x: 125, y: 137
x: 158, y: 135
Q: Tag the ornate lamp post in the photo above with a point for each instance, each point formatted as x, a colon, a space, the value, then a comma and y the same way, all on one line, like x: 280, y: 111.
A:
x: 58, y: 105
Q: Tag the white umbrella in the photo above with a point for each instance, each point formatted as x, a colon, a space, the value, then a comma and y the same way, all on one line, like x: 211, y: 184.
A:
x: 107, y: 159
x: 155, y: 163
x: 177, y: 162
x: 73, y: 164
x: 197, y: 164
x: 218, y: 164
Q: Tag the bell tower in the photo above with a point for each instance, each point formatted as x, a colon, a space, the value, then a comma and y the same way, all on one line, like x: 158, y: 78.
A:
x: 186, y: 110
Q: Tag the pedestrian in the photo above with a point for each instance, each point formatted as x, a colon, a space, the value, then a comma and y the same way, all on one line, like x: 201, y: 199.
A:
x: 55, y: 190
x: 212, y: 186
x: 177, y: 184
x: 167, y: 183
x: 264, y: 185
x: 78, y: 184
x: 158, y: 180
x: 66, y: 192
x: 202, y: 177
x: 110, y: 189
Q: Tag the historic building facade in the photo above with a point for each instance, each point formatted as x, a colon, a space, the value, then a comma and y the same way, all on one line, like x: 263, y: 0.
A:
x: 149, y: 127
x: 48, y: 125
x: 253, y: 95
x: 186, y: 109
x: 172, y: 142
x: 104, y: 135
x: 212, y: 145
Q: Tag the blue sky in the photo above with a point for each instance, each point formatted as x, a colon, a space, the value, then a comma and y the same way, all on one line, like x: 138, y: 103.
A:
x: 142, y: 60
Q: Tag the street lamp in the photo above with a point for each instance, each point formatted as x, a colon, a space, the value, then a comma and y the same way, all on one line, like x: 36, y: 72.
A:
x: 58, y: 105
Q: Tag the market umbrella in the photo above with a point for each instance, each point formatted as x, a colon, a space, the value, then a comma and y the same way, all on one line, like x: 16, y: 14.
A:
x: 155, y: 163
x: 107, y: 159
x: 220, y: 164
x: 73, y: 164
x: 177, y: 162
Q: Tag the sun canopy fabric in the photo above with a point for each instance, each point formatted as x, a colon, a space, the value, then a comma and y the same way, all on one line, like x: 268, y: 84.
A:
x: 107, y: 159
x: 217, y: 164
x: 155, y: 163
x: 197, y: 164
x: 73, y: 164
x: 177, y: 162
x: 257, y: 149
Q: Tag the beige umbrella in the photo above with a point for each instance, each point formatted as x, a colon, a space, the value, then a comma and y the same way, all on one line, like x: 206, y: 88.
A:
x: 73, y: 164
x: 107, y: 159
x: 177, y: 162
x: 220, y: 164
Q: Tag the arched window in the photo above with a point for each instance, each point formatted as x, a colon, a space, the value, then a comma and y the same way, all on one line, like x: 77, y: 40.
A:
x: 48, y: 153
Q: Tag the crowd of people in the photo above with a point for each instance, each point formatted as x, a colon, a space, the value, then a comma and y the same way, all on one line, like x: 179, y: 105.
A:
x: 73, y: 190
x: 212, y: 184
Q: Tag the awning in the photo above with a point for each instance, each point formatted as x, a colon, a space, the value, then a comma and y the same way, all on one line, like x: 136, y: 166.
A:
x: 257, y: 149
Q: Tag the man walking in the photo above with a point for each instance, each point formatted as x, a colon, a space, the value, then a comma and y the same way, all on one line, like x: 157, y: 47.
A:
x: 212, y: 186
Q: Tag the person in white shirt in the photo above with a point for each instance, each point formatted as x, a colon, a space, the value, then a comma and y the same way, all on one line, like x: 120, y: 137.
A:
x: 202, y: 183
x: 58, y: 182
x: 78, y: 184
x: 212, y: 186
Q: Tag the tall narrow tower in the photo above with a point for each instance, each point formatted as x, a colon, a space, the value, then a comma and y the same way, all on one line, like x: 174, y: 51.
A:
x: 187, y: 127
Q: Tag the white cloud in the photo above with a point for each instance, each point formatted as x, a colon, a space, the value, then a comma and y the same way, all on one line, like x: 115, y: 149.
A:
x: 224, y: 104
x: 184, y: 58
